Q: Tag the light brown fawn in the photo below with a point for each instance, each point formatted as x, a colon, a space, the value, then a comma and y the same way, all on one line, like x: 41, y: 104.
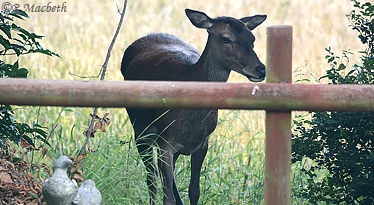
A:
x: 164, y: 57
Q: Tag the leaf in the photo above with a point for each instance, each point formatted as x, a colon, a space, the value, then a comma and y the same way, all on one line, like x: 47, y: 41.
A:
x: 42, y: 138
x: 85, y: 133
x: 16, y: 50
x: 332, y: 58
x: 35, y: 36
x: 6, y: 30
x: 80, y: 157
x: 15, y: 66
x: 78, y: 178
x: 44, y: 51
x: 20, y: 12
x: 5, y: 43
x: 101, y: 123
x: 17, y: 72
x: 16, y: 15
x: 24, y: 32
x: 22, y: 73
x: 341, y: 67
x: 24, y: 143
x: 18, y: 40
x: 40, y: 131
x: 28, y: 140
x: 8, y: 18
x: 23, y: 36
x: 44, y: 151
x: 5, y: 178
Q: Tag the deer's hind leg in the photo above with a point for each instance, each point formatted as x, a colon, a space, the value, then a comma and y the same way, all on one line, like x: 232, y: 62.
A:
x: 145, y: 140
x: 175, y: 188
x: 166, y: 167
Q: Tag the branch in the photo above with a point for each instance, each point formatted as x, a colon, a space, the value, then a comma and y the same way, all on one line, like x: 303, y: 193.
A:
x: 82, y: 77
x: 104, y: 68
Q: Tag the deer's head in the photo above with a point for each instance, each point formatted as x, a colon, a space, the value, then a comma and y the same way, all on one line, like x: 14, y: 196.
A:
x: 231, y: 42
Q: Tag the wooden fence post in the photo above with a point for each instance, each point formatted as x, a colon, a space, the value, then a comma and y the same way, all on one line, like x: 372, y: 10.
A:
x: 277, y: 189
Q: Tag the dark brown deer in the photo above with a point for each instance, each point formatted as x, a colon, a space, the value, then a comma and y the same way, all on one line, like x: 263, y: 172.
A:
x: 177, y: 132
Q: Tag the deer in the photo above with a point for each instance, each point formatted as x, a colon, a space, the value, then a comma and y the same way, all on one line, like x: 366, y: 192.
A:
x: 175, y: 132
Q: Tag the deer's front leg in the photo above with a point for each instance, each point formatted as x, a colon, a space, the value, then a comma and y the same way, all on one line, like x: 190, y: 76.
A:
x: 165, y: 164
x: 197, y: 160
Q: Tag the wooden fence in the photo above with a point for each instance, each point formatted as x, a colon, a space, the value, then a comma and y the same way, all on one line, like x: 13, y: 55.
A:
x: 278, y: 97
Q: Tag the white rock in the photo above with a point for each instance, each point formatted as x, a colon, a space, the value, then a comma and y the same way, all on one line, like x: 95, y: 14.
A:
x: 87, y: 194
x: 59, y: 189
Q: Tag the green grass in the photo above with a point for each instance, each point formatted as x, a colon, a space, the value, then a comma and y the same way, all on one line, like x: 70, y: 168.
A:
x: 233, y: 169
x: 118, y: 172
x: 232, y: 172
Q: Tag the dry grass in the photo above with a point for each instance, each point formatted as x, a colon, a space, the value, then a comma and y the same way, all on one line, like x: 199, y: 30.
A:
x: 82, y: 34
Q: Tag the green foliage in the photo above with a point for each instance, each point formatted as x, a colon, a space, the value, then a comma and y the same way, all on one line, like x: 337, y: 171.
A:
x: 340, y: 142
x: 15, y: 40
x: 339, y: 145
x: 15, y: 131
x: 18, y: 40
x: 362, y: 21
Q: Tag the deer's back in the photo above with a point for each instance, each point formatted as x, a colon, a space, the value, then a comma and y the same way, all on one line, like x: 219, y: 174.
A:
x: 159, y: 56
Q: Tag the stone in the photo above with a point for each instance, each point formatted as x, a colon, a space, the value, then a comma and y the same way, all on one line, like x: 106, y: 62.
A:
x: 87, y: 194
x: 59, y: 189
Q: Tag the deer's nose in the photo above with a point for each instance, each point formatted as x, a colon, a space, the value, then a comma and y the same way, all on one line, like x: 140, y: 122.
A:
x: 261, y: 71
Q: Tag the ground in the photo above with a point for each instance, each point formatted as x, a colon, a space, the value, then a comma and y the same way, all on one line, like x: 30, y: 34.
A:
x: 18, y: 185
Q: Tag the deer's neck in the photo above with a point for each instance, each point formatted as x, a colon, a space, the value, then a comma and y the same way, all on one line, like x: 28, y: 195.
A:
x: 207, y: 67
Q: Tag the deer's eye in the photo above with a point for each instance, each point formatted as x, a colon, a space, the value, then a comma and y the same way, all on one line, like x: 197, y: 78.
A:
x: 226, y: 40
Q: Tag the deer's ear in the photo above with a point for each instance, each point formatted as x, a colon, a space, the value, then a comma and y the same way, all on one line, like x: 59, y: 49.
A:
x: 199, y: 19
x: 251, y: 22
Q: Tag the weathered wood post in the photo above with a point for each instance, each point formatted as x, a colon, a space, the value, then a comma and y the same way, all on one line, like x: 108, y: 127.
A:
x: 278, y: 124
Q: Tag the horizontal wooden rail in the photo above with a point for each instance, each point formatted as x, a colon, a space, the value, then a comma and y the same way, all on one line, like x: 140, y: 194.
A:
x: 141, y: 94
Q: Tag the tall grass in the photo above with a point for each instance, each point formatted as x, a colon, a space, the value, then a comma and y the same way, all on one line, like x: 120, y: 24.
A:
x: 233, y: 169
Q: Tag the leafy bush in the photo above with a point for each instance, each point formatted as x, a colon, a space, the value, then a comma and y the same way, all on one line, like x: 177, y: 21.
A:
x: 338, y: 146
x: 17, y: 41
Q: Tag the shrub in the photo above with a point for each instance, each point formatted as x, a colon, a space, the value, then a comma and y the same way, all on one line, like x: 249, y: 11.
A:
x: 17, y: 41
x: 339, y: 146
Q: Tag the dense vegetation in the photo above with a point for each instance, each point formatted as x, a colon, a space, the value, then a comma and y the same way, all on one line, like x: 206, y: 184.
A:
x: 17, y: 41
x: 341, y: 142
x: 16, y: 185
